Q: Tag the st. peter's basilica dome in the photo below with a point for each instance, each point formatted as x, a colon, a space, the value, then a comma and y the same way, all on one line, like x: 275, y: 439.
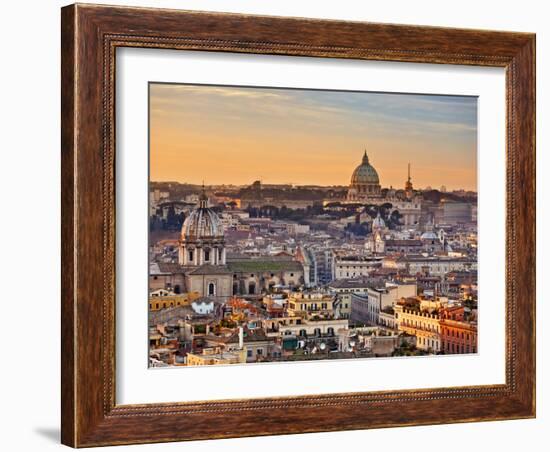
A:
x: 365, y: 185
x: 364, y: 173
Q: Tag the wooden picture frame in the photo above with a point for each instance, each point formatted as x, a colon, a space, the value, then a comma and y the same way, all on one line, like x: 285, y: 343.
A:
x: 90, y: 36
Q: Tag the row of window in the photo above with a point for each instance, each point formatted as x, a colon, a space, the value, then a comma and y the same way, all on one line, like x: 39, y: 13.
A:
x: 250, y: 353
x: 461, y: 335
x: 456, y: 348
x: 309, y: 307
x: 191, y: 255
x: 429, y: 343
x: 421, y: 325
x: 164, y: 305
x: 252, y: 275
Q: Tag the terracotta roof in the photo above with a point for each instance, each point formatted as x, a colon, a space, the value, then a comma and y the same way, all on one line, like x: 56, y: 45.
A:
x: 256, y: 335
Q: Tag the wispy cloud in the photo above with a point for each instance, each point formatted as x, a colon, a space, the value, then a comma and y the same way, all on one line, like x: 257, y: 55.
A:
x: 315, y: 122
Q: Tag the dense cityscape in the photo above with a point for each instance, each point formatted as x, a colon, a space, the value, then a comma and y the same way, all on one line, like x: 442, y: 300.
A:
x: 263, y: 273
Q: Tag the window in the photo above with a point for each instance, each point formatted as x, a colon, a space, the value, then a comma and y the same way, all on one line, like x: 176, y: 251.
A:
x: 191, y: 255
x: 259, y: 351
x: 249, y: 353
x: 211, y: 289
x: 206, y: 255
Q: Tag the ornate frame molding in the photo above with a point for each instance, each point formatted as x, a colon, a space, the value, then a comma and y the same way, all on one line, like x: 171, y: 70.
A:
x: 90, y: 37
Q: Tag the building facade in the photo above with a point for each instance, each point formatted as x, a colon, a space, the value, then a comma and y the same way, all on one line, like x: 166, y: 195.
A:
x: 421, y: 320
x: 354, y: 266
x: 457, y: 334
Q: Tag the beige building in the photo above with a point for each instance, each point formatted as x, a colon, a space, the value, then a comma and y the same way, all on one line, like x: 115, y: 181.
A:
x: 162, y: 299
x: 366, y: 307
x: 167, y: 276
x: 210, y: 280
x: 346, y: 266
x: 213, y: 357
x: 307, y: 328
x: 254, y: 344
x: 311, y: 304
x: 433, y: 265
x: 344, y: 288
x: 421, y: 318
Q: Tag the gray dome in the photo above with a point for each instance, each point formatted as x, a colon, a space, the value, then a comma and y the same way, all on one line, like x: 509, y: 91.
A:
x: 365, y: 173
x: 202, y: 223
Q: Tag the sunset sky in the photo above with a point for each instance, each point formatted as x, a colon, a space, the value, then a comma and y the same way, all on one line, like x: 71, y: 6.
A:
x: 235, y: 135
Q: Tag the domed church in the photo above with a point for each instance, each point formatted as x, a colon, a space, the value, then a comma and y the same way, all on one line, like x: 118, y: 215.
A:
x: 365, y: 188
x: 202, y: 252
x: 365, y: 184
x: 203, y: 267
x: 202, y: 240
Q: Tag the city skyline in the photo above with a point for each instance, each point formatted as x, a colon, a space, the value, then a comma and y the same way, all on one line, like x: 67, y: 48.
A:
x: 309, y: 137
x: 339, y: 269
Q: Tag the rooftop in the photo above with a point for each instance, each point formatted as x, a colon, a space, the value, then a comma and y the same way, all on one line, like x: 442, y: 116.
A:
x: 263, y: 265
x: 208, y: 269
x: 349, y: 283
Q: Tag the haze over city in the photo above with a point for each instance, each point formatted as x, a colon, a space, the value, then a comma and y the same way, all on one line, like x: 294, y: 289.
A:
x: 235, y: 135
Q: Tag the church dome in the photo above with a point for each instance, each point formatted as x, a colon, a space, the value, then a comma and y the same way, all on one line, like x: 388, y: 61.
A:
x: 202, y: 222
x: 365, y: 173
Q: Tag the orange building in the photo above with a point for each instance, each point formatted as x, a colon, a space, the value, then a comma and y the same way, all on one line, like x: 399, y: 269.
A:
x: 457, y: 334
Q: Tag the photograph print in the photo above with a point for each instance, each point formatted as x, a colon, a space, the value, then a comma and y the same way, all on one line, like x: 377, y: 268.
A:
x: 299, y: 225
